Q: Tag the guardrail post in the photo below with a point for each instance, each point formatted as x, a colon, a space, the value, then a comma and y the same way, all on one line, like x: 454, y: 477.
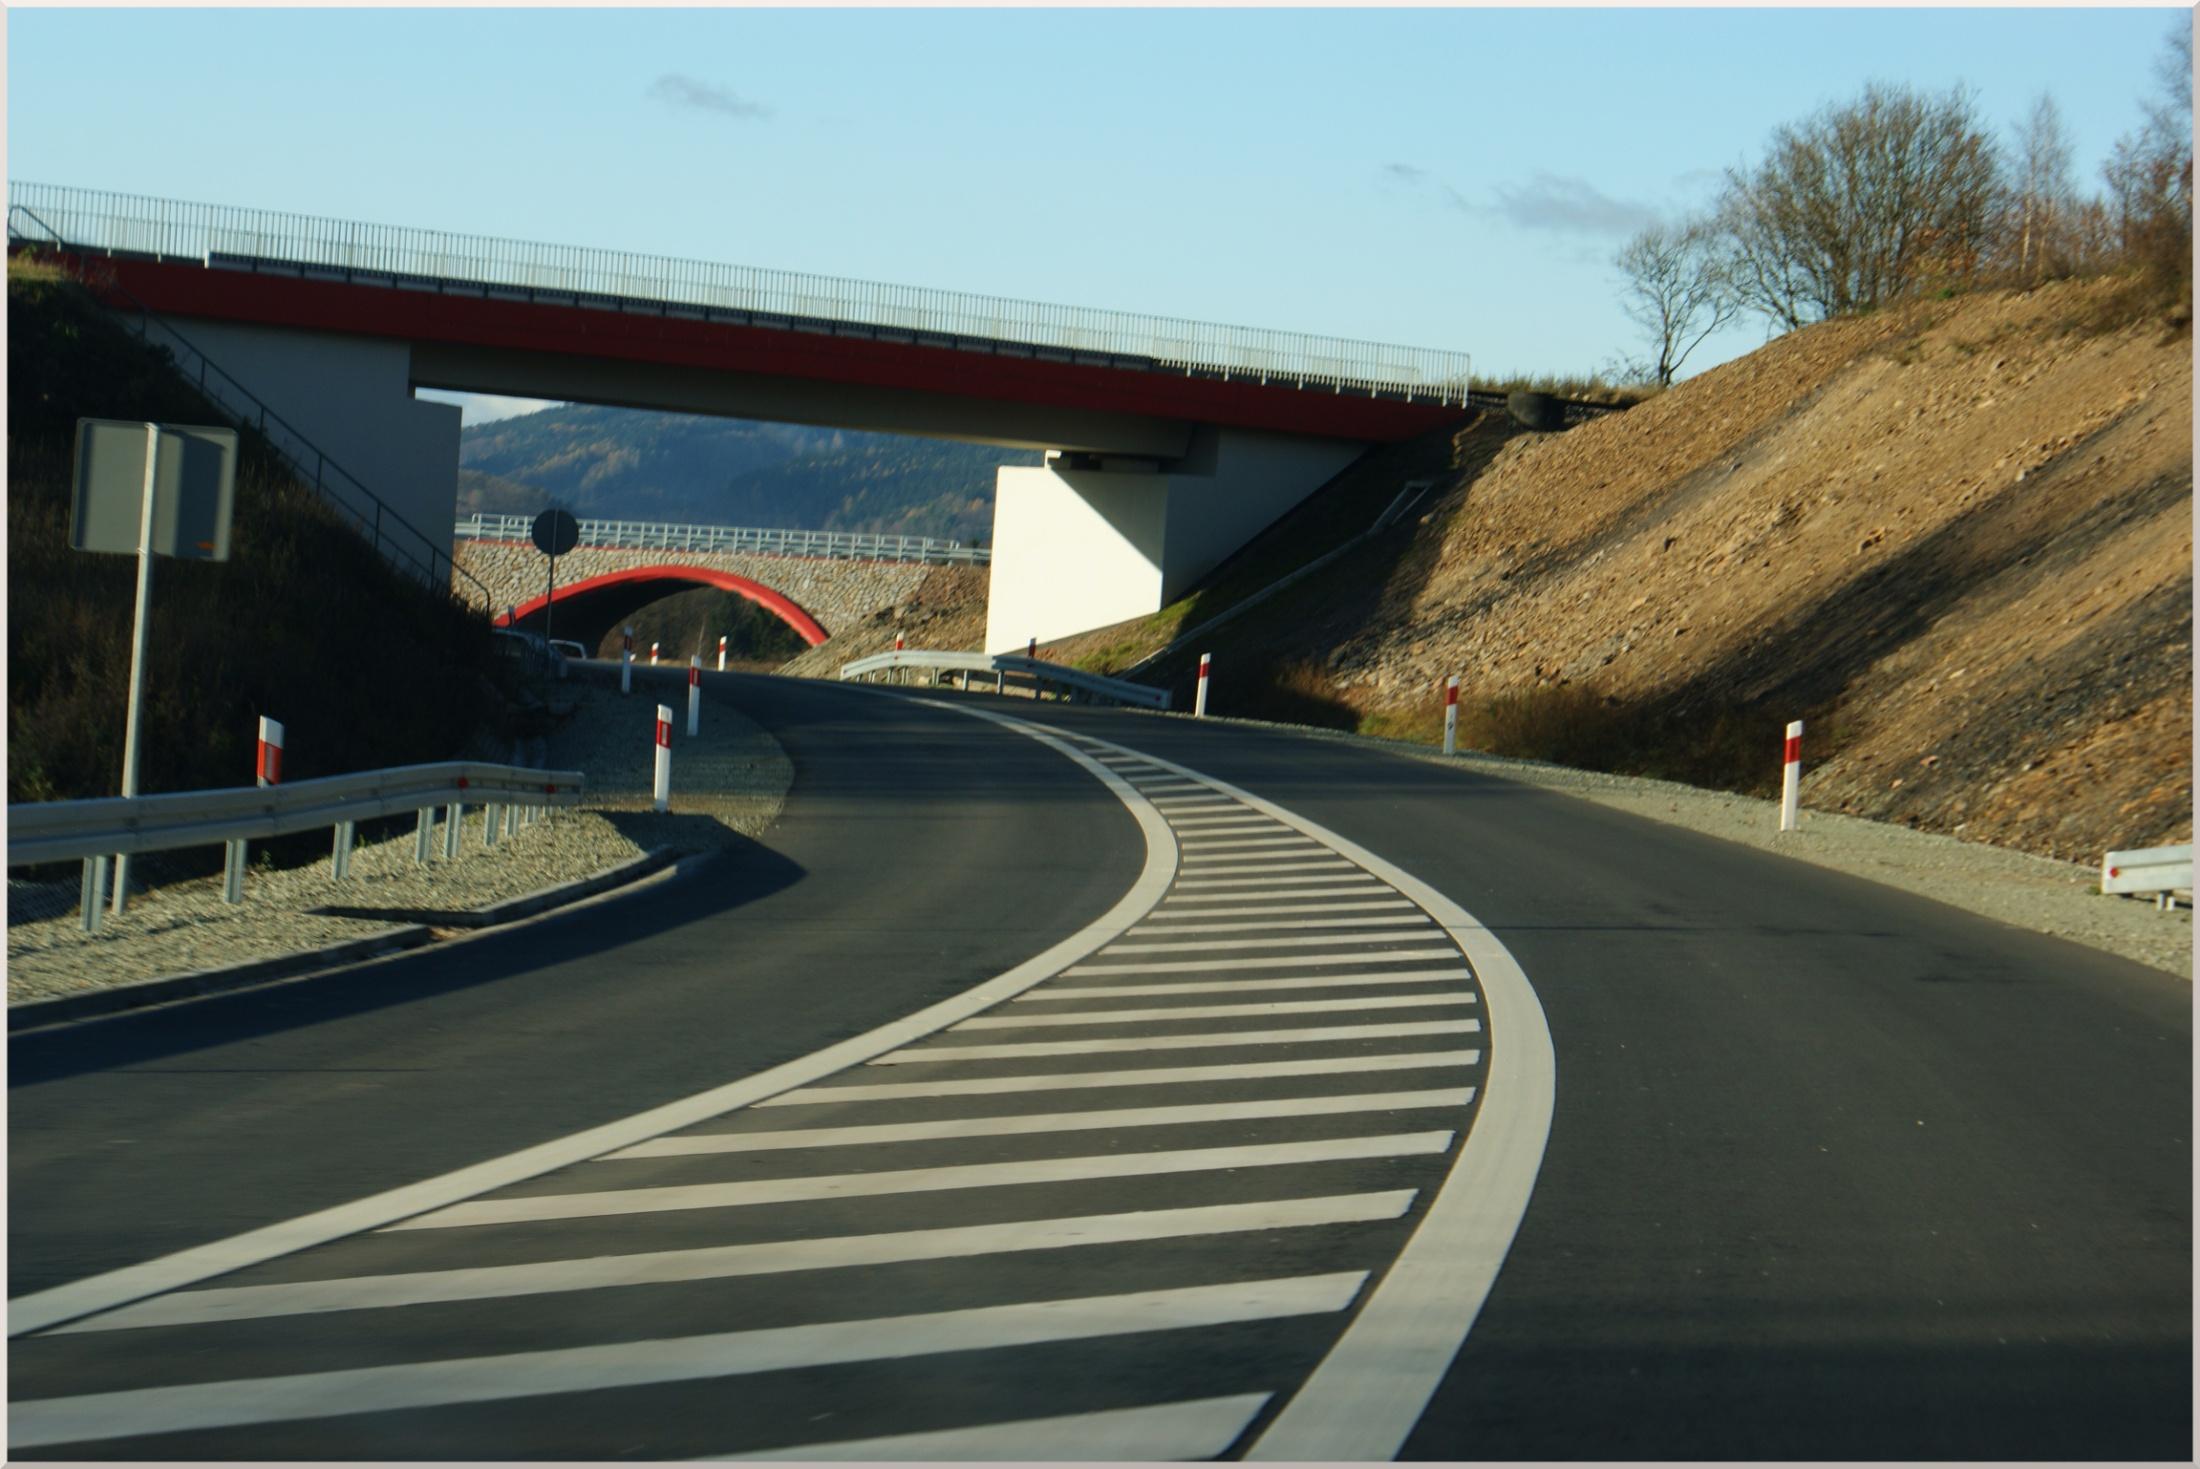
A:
x: 489, y: 815
x: 339, y: 864
x: 423, y: 833
x: 453, y: 815
x: 233, y: 871
x: 92, y: 894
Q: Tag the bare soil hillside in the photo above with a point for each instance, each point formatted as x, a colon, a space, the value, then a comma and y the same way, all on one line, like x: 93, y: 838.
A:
x: 946, y: 612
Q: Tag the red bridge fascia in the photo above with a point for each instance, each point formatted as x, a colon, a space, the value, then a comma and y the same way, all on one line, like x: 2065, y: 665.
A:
x: 774, y: 602
x: 426, y: 316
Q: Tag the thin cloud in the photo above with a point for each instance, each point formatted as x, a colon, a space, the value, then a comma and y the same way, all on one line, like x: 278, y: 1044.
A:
x: 1568, y: 206
x: 1406, y: 172
x: 686, y: 91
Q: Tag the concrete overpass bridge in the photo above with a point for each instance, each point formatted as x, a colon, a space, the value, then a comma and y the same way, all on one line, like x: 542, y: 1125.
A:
x: 1170, y: 442
x: 817, y: 582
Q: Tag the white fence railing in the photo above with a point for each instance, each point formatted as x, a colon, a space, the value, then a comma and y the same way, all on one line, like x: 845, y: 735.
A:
x: 94, y: 830
x: 2158, y: 870
x: 1074, y: 682
x: 252, y: 239
x: 665, y: 536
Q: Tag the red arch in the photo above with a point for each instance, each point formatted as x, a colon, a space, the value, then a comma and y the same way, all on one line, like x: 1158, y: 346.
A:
x: 726, y: 581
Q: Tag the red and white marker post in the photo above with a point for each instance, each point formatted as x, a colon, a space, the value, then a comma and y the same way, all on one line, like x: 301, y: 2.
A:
x: 663, y: 790
x: 721, y: 653
x: 695, y: 692
x: 652, y: 655
x: 626, y: 661
x: 898, y: 643
x: 269, y: 765
x: 1199, y: 699
x: 1791, y: 776
x: 267, y: 770
x: 1451, y: 715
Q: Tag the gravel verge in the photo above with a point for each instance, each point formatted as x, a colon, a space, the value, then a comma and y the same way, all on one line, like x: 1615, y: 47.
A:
x: 2058, y: 898
x: 727, y: 784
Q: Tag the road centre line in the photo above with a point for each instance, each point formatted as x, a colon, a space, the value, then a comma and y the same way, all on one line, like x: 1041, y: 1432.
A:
x: 1266, y: 961
x: 1356, y: 1004
x: 173, y: 1271
x: 1287, y: 941
x: 1375, y: 922
x: 1240, y: 986
x: 138, y: 1411
x: 1338, y: 873
x: 606, y: 1202
x: 1215, y: 1041
x: 976, y: 1086
x: 1165, y: 1433
x: 723, y: 1262
x: 689, y: 1144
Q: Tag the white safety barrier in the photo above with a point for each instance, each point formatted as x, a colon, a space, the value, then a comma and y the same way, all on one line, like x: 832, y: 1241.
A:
x: 695, y: 692
x: 91, y: 831
x: 1075, y: 683
x: 1199, y: 699
x: 1451, y: 715
x: 1791, y: 776
x: 663, y: 787
x: 2163, y: 871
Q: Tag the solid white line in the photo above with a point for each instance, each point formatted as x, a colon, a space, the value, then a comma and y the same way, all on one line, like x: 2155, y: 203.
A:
x: 977, y: 1086
x: 678, y: 1359
x: 1302, y: 1035
x: 1355, y: 1004
x: 724, y: 1262
x: 170, y: 1272
x: 1288, y: 941
x: 1165, y: 1433
x: 1180, y: 908
x: 1370, y: 1390
x: 1240, y: 986
x: 690, y: 1143
x: 1329, y: 872
x: 603, y: 1202
x: 1176, y: 928
x: 1271, y: 961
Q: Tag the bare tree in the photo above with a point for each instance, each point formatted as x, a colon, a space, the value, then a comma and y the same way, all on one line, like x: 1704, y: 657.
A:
x: 1677, y: 290
x: 2045, y: 198
x: 1860, y: 205
x: 2149, y: 173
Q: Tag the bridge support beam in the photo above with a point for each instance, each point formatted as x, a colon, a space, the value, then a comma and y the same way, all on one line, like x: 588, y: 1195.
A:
x: 352, y: 397
x: 1084, y: 541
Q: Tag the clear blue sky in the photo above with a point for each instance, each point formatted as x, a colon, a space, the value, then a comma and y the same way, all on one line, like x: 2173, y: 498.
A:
x: 1441, y: 178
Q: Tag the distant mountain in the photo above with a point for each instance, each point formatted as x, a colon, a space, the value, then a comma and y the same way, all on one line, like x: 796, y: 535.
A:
x: 624, y: 464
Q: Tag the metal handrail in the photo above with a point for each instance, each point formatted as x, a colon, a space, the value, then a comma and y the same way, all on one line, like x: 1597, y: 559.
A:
x: 1038, y: 670
x: 57, y: 831
x: 390, y: 255
x: 668, y: 536
x: 259, y: 416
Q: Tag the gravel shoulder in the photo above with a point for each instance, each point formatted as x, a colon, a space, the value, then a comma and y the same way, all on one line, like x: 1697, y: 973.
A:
x: 2016, y: 888
x: 727, y: 784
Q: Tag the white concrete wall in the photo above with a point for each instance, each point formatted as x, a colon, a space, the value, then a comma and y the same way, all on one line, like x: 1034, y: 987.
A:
x: 1075, y: 550
x: 352, y: 396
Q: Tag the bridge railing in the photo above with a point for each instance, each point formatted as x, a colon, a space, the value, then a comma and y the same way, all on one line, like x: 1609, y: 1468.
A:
x: 390, y: 255
x: 665, y: 536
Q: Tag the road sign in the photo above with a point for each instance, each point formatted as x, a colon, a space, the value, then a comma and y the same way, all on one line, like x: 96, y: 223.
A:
x: 194, y: 489
x: 556, y: 532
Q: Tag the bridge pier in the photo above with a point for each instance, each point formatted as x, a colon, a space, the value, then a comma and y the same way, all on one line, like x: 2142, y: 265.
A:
x: 1088, y: 540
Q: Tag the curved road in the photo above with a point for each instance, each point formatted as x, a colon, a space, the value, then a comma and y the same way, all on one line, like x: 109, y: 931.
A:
x: 1832, y: 1172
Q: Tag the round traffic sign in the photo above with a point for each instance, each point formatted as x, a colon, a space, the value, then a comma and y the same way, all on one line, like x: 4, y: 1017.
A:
x: 556, y: 532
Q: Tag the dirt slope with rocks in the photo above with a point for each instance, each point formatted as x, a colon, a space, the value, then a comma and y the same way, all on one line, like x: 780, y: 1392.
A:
x: 945, y: 611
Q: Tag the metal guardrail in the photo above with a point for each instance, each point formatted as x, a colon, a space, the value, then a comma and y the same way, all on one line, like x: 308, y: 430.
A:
x: 214, y: 235
x: 666, y: 536
x: 1001, y: 665
x: 370, y: 513
x: 94, y: 830
x: 2158, y: 870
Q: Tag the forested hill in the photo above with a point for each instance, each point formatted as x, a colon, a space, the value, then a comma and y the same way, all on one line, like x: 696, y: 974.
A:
x: 623, y: 464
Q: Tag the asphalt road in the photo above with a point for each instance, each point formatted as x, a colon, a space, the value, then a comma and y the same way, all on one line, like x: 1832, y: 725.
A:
x: 1833, y: 1172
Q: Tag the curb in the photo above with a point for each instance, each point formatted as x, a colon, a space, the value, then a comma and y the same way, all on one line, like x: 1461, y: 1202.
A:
x: 307, y: 963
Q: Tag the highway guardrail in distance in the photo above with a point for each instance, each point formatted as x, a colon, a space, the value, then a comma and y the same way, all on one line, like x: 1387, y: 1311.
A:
x: 1075, y: 681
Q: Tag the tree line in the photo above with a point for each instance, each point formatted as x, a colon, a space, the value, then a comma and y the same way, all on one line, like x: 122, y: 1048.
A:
x: 1902, y: 193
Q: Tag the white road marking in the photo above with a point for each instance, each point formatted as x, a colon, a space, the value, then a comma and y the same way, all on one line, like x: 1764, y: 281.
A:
x: 1271, y: 926
x: 723, y: 1262
x: 1204, y: 824
x: 1356, y: 1004
x: 1241, y: 986
x: 111, y: 1288
x: 678, y: 1359
x: 1164, y: 1433
x: 976, y: 1086
x: 1178, y: 909
x: 1329, y: 872
x: 1271, y: 961
x: 690, y: 1143
x: 1283, y: 862
x: 1289, y: 941
x: 605, y: 1202
x: 1297, y: 1036
x: 1203, y: 845
x: 1191, y: 803
x: 1168, y: 785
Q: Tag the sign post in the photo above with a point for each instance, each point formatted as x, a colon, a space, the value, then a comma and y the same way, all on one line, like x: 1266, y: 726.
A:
x: 555, y: 532
x: 626, y: 660
x: 150, y: 489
